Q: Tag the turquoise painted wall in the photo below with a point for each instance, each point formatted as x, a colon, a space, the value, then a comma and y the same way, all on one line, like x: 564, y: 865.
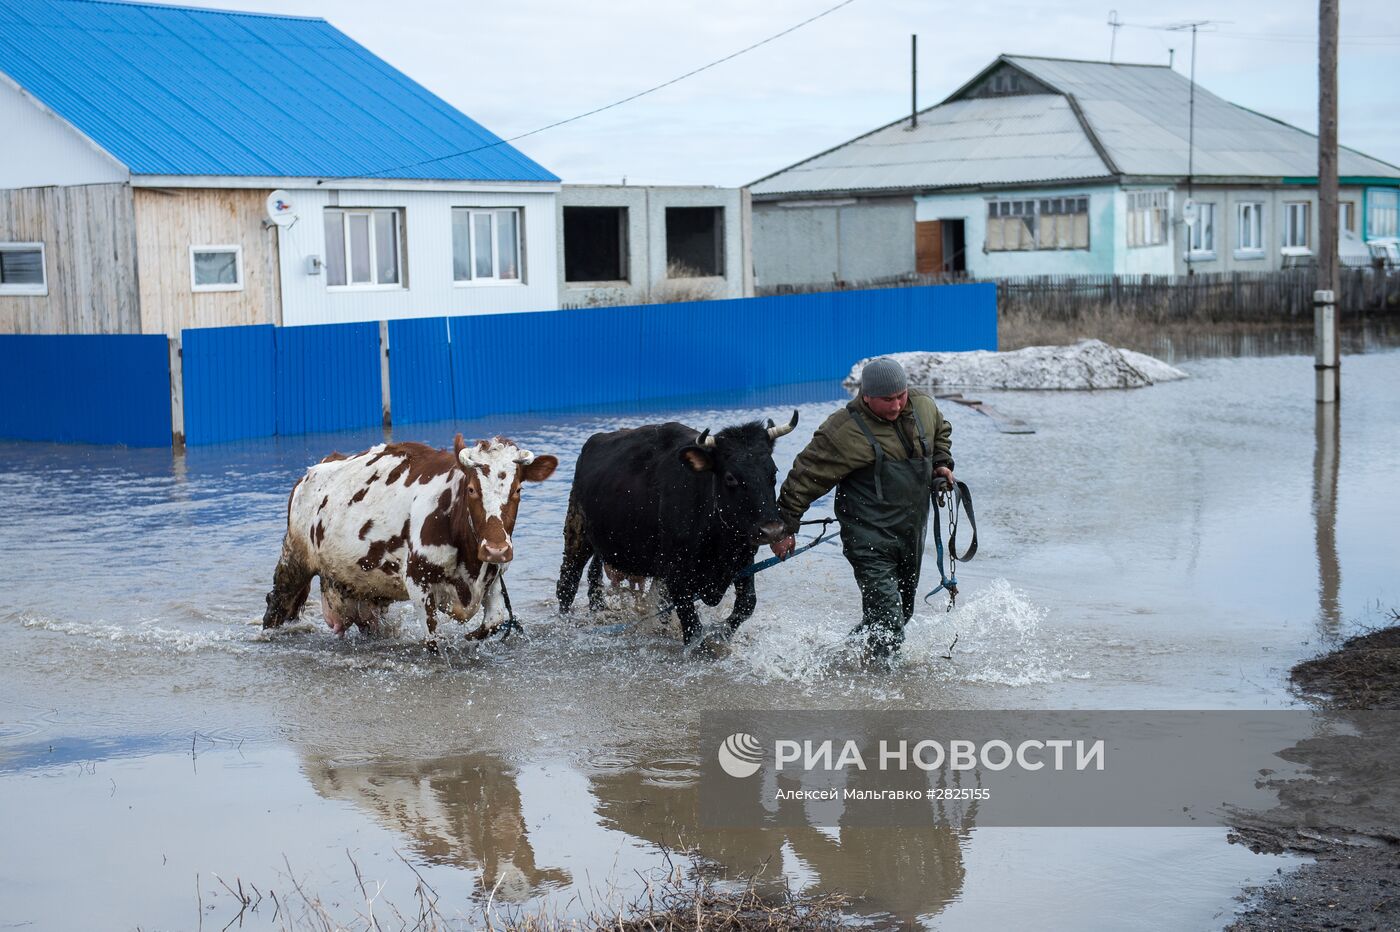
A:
x: 972, y: 208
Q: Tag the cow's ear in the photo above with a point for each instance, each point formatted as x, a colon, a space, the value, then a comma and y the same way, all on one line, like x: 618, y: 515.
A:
x: 458, y: 446
x: 540, y: 469
x: 697, y: 459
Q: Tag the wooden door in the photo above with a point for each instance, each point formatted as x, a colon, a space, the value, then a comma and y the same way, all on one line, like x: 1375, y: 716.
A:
x: 928, y: 247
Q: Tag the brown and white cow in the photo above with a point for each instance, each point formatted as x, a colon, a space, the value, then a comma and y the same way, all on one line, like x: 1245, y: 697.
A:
x: 404, y: 521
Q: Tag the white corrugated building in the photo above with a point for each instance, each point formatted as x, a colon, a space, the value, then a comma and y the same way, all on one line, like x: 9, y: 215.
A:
x: 1041, y: 166
x: 144, y: 141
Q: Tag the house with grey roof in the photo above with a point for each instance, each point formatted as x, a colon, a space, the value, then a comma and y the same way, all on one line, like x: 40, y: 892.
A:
x: 169, y: 167
x: 1041, y: 166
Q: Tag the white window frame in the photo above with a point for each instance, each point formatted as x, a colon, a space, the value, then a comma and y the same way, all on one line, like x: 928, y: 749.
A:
x: 1343, y: 209
x: 40, y: 289
x: 1148, y: 216
x: 237, y: 251
x: 374, y: 284
x: 1256, y: 227
x: 1289, y: 208
x: 1382, y: 205
x: 1197, y: 248
x: 495, y: 278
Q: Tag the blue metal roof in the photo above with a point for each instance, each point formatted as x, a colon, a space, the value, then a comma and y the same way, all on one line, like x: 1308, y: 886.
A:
x: 180, y: 91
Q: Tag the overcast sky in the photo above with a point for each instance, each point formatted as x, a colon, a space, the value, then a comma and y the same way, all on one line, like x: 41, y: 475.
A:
x: 520, y: 65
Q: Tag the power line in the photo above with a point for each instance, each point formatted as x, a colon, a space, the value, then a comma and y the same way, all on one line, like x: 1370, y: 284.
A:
x: 617, y: 103
x: 1376, y: 40
x: 1362, y: 41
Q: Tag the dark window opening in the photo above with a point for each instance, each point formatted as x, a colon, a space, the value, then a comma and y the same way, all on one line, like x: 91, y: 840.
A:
x: 595, y: 244
x: 694, y: 241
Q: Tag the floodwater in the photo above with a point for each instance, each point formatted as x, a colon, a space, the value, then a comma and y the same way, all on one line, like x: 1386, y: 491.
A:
x: 1175, y: 547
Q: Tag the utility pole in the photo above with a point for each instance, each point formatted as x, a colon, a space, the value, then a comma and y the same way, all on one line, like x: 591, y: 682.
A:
x: 1114, y: 22
x: 1328, y: 358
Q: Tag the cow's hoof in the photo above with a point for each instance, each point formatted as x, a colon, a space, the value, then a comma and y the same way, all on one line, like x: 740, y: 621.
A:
x: 712, y: 645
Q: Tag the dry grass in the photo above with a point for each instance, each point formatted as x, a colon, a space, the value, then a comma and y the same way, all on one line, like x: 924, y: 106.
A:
x: 1015, y: 331
x: 1364, y: 673
x: 675, y: 899
x: 684, y: 283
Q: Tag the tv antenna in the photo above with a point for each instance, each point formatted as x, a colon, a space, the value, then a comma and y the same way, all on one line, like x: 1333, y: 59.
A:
x: 1192, y: 25
x: 1114, y: 22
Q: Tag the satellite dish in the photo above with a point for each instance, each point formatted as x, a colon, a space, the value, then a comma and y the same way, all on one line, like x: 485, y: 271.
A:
x: 1190, y: 212
x: 280, y: 209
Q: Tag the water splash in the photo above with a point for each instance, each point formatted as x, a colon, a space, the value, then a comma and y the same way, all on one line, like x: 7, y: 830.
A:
x: 141, y: 634
x: 1001, y: 640
x: 997, y: 636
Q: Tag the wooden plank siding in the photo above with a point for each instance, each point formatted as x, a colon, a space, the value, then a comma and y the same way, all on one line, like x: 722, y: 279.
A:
x: 89, y: 258
x: 168, y: 223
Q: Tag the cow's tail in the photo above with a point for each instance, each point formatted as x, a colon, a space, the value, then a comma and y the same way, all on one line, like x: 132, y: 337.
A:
x: 576, y: 553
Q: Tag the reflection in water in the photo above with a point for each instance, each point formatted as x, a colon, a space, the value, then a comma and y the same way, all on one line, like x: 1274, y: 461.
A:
x: 462, y: 811
x: 1172, y: 345
x: 1326, y: 454
x: 907, y: 873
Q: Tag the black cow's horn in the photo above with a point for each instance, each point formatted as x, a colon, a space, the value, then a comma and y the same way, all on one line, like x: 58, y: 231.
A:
x: 776, y: 432
x: 705, y: 440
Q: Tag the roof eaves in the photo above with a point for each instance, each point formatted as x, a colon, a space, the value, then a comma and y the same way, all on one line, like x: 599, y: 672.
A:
x: 915, y: 190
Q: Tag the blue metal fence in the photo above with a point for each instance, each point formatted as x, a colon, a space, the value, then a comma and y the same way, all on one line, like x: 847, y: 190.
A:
x: 550, y: 359
x: 256, y: 381
x: 229, y: 385
x: 561, y: 359
x: 99, y: 388
x: 328, y: 378
x: 420, y: 370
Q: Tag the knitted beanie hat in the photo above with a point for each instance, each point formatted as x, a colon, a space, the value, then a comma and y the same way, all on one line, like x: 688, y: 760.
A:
x: 882, y: 377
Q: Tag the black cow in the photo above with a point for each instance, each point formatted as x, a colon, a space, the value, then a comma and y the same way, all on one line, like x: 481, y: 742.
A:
x: 670, y: 503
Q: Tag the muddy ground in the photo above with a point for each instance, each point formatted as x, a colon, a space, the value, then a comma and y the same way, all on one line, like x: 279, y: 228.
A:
x: 1346, y: 813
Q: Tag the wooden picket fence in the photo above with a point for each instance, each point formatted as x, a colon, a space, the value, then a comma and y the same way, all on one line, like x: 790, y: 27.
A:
x: 1225, y: 296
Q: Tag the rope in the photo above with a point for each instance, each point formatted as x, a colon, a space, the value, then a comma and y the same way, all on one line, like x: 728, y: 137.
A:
x: 508, y: 627
x: 752, y: 569
x: 953, y: 498
x: 821, y: 538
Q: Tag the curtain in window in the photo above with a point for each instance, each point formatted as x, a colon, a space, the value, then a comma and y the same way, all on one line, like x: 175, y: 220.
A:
x: 21, y: 267
x: 335, y: 247
x: 386, y: 246
x: 216, y: 268
x: 509, y: 245
x: 360, y: 265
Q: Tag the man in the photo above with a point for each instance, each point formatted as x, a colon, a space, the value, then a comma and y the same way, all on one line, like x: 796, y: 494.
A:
x: 884, y: 452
